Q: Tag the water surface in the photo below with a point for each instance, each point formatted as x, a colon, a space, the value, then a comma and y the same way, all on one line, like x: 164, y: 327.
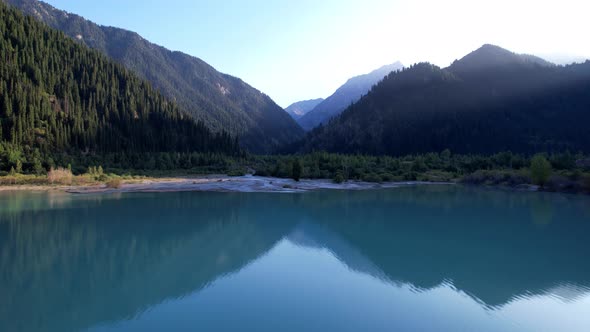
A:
x: 428, y: 258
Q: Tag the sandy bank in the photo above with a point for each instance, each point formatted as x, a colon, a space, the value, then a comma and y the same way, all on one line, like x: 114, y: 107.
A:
x: 236, y: 184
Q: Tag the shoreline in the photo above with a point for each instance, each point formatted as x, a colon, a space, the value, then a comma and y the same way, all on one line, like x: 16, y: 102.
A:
x: 245, y: 184
x: 219, y: 183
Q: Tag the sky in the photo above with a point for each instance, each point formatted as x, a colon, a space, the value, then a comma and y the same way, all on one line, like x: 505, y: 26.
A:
x: 305, y: 49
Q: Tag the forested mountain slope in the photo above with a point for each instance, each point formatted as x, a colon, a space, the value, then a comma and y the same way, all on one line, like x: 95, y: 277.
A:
x: 492, y: 100
x: 221, y: 101
x: 57, y: 96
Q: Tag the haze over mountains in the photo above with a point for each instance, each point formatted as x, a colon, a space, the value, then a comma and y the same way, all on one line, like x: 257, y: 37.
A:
x: 299, y: 109
x: 221, y: 101
x: 491, y: 100
x: 347, y: 94
x: 490, y: 57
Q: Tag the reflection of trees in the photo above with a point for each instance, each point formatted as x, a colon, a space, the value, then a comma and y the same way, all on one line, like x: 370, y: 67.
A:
x: 14, y: 203
x: 70, y: 262
x: 541, y: 211
x: 485, y: 241
x: 64, y: 267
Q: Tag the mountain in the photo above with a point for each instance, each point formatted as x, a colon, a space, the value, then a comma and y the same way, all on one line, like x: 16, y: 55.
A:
x: 221, y: 101
x: 300, y: 108
x: 491, y: 56
x: 359, y: 238
x: 347, y: 94
x: 491, y: 100
x: 85, y: 262
x: 57, y: 97
x: 82, y: 250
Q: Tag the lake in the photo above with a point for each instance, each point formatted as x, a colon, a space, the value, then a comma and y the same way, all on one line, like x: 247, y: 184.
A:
x: 425, y: 258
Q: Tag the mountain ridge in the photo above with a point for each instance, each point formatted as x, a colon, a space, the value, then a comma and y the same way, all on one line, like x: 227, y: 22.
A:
x: 348, y: 93
x: 300, y: 108
x: 511, y: 104
x: 491, y: 56
x: 59, y: 98
x: 221, y: 101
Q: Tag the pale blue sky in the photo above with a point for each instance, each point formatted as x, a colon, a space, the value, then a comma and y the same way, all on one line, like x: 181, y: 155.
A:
x: 304, y: 49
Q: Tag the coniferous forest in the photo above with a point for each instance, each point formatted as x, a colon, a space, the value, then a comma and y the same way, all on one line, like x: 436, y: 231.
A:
x: 65, y: 104
x: 519, y: 107
x: 142, y: 188
x: 58, y: 97
x: 222, y: 102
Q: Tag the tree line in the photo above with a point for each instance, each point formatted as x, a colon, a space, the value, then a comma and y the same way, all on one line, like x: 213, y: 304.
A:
x: 565, y: 171
x: 521, y: 108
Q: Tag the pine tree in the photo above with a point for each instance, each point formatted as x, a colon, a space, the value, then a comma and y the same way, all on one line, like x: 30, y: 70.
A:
x: 296, y: 170
x: 540, y: 170
x: 59, y: 97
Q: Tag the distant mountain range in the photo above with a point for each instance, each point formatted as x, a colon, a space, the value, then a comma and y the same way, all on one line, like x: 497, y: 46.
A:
x: 221, y: 101
x: 491, y: 100
x: 347, y: 94
x: 299, y: 109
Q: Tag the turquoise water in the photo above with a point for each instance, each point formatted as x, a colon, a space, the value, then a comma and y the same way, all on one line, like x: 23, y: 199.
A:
x: 430, y: 258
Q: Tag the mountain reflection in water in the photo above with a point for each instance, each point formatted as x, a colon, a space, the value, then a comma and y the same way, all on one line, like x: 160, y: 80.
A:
x: 70, y: 263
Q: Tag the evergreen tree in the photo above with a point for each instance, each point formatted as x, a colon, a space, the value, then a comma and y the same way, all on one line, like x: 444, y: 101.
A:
x: 296, y: 170
x: 540, y: 170
x: 58, y: 97
x: 522, y: 108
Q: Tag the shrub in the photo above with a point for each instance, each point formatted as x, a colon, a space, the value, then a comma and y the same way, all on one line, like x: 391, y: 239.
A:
x: 387, y: 177
x: 236, y: 172
x: 540, y: 170
x: 509, y: 178
x: 586, y: 183
x: 410, y: 176
x: 560, y: 183
x: 60, y: 176
x: 372, y: 177
x: 262, y: 172
x: 296, y: 170
x: 114, y: 183
x: 38, y: 167
x: 338, y: 178
x: 477, y: 177
x: 19, y: 166
x: 436, y: 176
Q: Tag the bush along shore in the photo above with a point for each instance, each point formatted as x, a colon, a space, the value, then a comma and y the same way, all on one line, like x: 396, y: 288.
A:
x: 63, y: 177
x: 563, y: 172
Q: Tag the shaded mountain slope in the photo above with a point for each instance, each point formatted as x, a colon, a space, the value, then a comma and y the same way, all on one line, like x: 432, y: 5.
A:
x: 57, y: 96
x: 221, y: 101
x: 123, y: 250
x: 487, y: 255
x: 480, y: 104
